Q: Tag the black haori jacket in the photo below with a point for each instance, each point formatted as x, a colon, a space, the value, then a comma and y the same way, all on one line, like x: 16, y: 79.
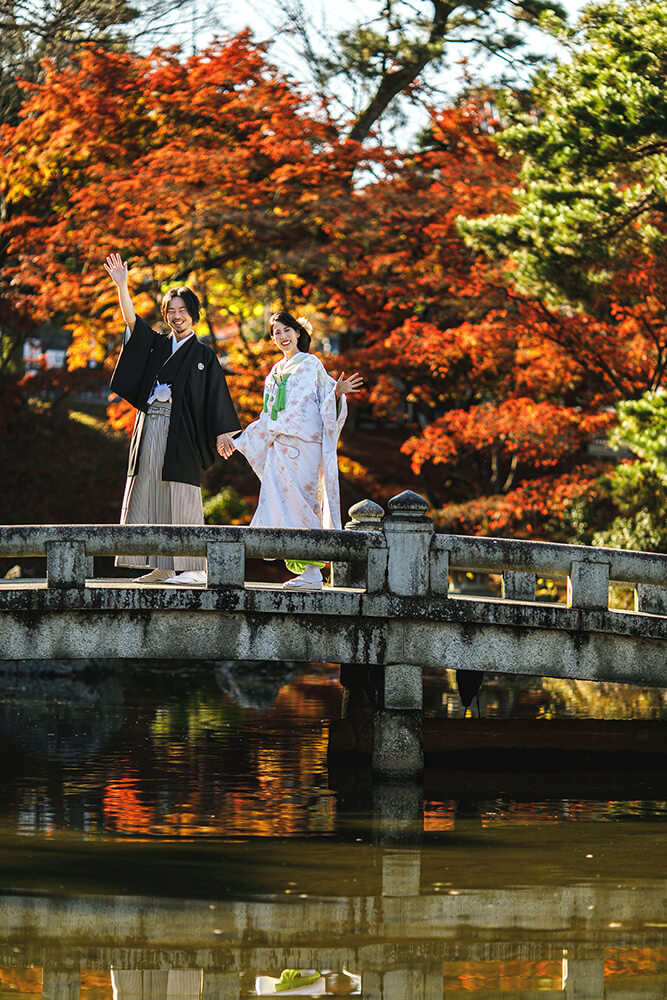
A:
x: 201, y: 407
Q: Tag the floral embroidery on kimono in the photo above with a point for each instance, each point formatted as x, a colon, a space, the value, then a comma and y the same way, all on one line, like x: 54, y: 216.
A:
x: 292, y: 446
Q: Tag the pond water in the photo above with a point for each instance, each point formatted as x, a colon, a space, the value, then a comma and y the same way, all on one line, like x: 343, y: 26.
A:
x: 184, y: 834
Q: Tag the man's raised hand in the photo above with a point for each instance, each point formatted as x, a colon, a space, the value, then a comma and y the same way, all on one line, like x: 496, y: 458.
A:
x: 116, y: 268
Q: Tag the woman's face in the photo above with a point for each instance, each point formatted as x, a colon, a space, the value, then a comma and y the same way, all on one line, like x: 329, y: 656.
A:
x: 285, y: 338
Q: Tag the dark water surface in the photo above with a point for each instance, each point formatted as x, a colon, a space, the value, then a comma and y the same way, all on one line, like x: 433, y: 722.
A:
x: 177, y: 835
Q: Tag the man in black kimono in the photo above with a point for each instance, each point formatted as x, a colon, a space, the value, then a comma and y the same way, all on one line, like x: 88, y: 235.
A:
x: 184, y: 415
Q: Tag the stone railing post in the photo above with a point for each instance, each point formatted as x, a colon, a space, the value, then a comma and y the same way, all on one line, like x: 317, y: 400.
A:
x: 58, y: 985
x: 225, y: 562
x: 409, y: 533
x: 364, y: 516
x: 66, y: 565
x: 518, y: 586
x: 398, y: 738
x: 588, y: 585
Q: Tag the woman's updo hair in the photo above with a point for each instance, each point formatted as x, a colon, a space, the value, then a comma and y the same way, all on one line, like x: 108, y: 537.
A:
x: 298, y: 325
x: 189, y: 298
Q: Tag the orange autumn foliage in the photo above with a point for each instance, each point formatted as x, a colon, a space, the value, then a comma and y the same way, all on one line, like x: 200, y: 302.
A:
x: 182, y: 165
x: 216, y: 170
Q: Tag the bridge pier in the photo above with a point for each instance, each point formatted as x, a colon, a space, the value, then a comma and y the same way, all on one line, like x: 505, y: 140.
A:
x: 398, y: 725
x: 383, y: 709
x: 398, y: 732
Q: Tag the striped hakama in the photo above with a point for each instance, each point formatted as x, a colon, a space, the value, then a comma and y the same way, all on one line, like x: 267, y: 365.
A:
x: 149, y: 500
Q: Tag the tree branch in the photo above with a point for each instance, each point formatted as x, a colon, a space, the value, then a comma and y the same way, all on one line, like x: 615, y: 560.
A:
x: 395, y: 82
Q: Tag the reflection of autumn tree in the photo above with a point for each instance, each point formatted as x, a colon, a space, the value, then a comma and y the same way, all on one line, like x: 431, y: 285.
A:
x: 513, y: 814
x: 23, y: 982
x: 601, y: 699
x: 510, y: 977
x: 439, y: 816
x: 96, y: 984
x: 124, y: 805
x: 630, y: 962
x: 277, y: 785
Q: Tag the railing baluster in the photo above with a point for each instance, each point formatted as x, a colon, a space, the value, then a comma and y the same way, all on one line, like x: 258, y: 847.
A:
x: 66, y: 565
x: 376, y: 569
x: 651, y: 599
x: 439, y: 571
x: 518, y: 586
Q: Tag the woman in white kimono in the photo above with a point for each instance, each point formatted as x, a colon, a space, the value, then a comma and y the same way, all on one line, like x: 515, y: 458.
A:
x: 292, y: 447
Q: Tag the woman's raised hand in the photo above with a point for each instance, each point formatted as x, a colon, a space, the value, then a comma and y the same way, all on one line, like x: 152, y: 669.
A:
x: 352, y: 384
x: 116, y: 268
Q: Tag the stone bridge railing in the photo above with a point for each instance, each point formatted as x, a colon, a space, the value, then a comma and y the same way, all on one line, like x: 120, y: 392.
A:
x: 399, y: 554
x: 390, y: 607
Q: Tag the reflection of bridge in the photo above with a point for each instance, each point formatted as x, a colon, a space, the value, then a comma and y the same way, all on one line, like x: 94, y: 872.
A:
x: 397, y: 939
x: 390, y: 606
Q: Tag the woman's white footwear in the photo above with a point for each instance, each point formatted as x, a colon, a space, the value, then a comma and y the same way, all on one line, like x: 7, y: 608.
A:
x: 155, y: 576
x: 310, y: 579
x: 189, y: 578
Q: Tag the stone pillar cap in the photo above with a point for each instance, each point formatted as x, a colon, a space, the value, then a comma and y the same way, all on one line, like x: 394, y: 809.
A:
x: 408, y: 504
x: 366, y: 510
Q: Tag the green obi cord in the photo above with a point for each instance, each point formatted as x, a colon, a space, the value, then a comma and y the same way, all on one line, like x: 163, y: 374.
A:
x: 299, y: 567
x: 279, y: 401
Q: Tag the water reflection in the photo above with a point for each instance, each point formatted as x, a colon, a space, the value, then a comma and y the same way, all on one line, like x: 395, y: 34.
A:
x: 171, y: 754
x: 384, y: 933
x: 187, y: 836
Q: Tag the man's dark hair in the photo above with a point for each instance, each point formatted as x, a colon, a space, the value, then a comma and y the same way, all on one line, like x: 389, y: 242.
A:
x: 303, y: 338
x: 189, y: 298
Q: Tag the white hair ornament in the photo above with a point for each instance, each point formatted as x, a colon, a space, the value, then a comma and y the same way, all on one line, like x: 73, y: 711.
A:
x: 305, y: 323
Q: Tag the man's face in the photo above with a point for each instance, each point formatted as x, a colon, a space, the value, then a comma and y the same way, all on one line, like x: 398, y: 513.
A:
x: 179, y: 319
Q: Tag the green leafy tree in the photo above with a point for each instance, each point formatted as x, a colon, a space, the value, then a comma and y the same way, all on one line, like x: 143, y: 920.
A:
x: 639, y: 488
x: 588, y: 238
x: 591, y: 224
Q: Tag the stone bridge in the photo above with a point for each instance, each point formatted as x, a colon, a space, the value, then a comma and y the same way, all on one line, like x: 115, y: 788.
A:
x: 391, y: 604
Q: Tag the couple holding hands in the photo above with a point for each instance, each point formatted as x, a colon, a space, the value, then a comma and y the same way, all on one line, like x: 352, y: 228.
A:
x: 185, y: 415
